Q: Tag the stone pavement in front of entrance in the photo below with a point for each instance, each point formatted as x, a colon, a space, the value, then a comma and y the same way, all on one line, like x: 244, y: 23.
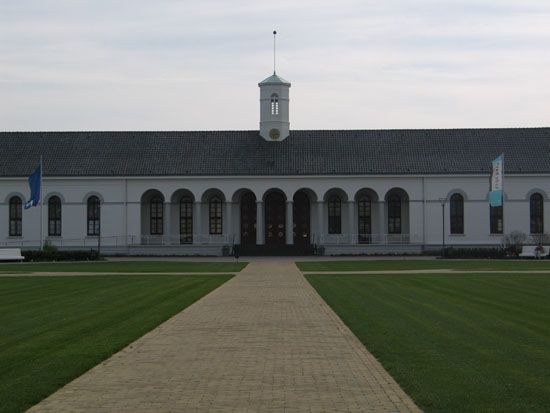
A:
x: 265, y: 341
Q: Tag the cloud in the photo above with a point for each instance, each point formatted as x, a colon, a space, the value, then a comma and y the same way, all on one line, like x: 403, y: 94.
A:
x: 195, y: 65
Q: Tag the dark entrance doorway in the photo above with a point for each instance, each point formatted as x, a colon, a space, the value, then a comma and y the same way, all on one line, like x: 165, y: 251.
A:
x: 301, y: 213
x: 275, y: 218
x: 248, y: 219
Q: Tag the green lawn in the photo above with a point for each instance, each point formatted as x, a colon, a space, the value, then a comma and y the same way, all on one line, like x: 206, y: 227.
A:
x: 53, y: 329
x: 378, y: 265
x: 453, y: 342
x: 124, y: 266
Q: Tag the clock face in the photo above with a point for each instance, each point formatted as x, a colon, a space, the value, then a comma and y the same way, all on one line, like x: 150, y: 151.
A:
x: 274, y: 133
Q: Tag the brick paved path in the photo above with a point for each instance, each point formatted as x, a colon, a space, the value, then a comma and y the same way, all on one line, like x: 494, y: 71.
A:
x: 264, y: 341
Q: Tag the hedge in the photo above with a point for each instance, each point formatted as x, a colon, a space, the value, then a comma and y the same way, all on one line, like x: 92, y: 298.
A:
x: 475, y: 252
x: 56, y: 255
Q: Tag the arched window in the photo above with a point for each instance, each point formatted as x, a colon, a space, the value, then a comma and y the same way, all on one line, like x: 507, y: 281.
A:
x: 394, y: 214
x: 536, y: 209
x: 215, y: 216
x: 496, y: 219
x: 274, y: 104
x: 364, y: 209
x: 93, y: 215
x: 54, y: 216
x: 334, y: 215
x: 186, y: 220
x: 457, y: 214
x: 16, y: 217
x: 156, y: 216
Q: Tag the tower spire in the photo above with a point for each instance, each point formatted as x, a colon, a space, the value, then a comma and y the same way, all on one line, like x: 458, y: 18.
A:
x: 274, y: 49
x: 274, y: 102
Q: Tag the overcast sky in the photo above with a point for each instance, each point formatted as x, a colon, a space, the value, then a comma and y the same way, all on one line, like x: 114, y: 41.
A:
x: 195, y: 65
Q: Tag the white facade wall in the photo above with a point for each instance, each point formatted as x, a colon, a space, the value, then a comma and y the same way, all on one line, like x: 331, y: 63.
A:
x: 124, y: 220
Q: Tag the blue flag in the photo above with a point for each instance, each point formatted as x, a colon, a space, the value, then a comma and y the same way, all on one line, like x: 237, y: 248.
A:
x: 35, y: 180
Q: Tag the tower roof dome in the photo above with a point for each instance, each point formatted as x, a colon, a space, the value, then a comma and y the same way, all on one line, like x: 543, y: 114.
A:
x: 274, y: 80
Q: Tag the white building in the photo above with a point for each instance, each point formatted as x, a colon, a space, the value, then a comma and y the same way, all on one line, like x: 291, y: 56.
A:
x: 276, y: 191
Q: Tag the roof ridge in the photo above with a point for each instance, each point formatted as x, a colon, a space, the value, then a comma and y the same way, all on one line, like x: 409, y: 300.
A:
x: 293, y: 130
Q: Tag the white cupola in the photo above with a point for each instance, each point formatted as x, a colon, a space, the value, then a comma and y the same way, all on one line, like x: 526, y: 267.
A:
x: 274, y: 120
x: 274, y: 124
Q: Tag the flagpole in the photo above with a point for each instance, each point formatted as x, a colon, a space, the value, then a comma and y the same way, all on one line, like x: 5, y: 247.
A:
x: 41, y: 206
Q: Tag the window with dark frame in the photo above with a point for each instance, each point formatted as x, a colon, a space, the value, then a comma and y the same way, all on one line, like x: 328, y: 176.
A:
x: 54, y: 216
x: 364, y: 214
x: 16, y: 217
x: 394, y: 214
x: 457, y: 214
x: 334, y: 215
x: 496, y: 220
x: 215, y: 216
x: 93, y: 216
x: 274, y: 104
x: 186, y: 220
x: 156, y: 215
x: 536, y: 209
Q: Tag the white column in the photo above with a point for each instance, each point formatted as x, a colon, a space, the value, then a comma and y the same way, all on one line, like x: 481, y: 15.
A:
x: 351, y: 222
x: 135, y: 222
x: 416, y: 226
x: 289, y: 221
x: 260, y: 236
x: 167, y: 222
x: 229, y: 220
x: 237, y: 223
x: 197, y: 222
x: 320, y: 219
x: 381, y: 221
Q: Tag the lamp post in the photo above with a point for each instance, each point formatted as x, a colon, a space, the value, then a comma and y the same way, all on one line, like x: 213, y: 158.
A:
x: 442, y: 201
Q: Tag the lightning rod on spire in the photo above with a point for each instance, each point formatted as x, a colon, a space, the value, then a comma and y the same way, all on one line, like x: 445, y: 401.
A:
x: 274, y: 49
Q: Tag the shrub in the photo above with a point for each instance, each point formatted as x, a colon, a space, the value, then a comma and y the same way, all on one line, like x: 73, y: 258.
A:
x: 513, y: 242
x: 318, y: 250
x: 51, y: 253
x: 475, y: 252
x: 226, y: 250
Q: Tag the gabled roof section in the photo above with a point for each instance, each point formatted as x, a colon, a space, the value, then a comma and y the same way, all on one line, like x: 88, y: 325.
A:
x: 305, y: 152
x: 274, y: 80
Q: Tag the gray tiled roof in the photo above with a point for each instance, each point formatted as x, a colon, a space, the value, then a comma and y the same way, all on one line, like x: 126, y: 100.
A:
x: 304, y: 152
x: 274, y: 80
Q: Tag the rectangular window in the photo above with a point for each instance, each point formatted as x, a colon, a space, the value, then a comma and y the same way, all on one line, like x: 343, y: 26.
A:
x: 536, y: 208
x: 93, y: 227
x: 334, y: 216
x: 157, y: 209
x: 457, y: 214
x: 364, y: 224
x: 186, y: 221
x: 93, y: 216
x: 54, y: 228
x: 394, y: 215
x: 16, y: 218
x: 497, y: 221
x: 215, y: 217
x: 54, y: 217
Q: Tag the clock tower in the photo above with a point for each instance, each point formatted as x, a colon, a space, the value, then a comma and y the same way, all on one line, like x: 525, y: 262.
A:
x: 274, y: 123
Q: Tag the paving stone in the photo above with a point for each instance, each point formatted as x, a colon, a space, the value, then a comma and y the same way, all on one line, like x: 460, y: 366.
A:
x: 265, y: 341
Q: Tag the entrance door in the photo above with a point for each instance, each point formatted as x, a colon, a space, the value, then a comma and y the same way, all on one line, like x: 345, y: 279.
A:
x: 248, y: 219
x: 275, y: 219
x: 301, y: 219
